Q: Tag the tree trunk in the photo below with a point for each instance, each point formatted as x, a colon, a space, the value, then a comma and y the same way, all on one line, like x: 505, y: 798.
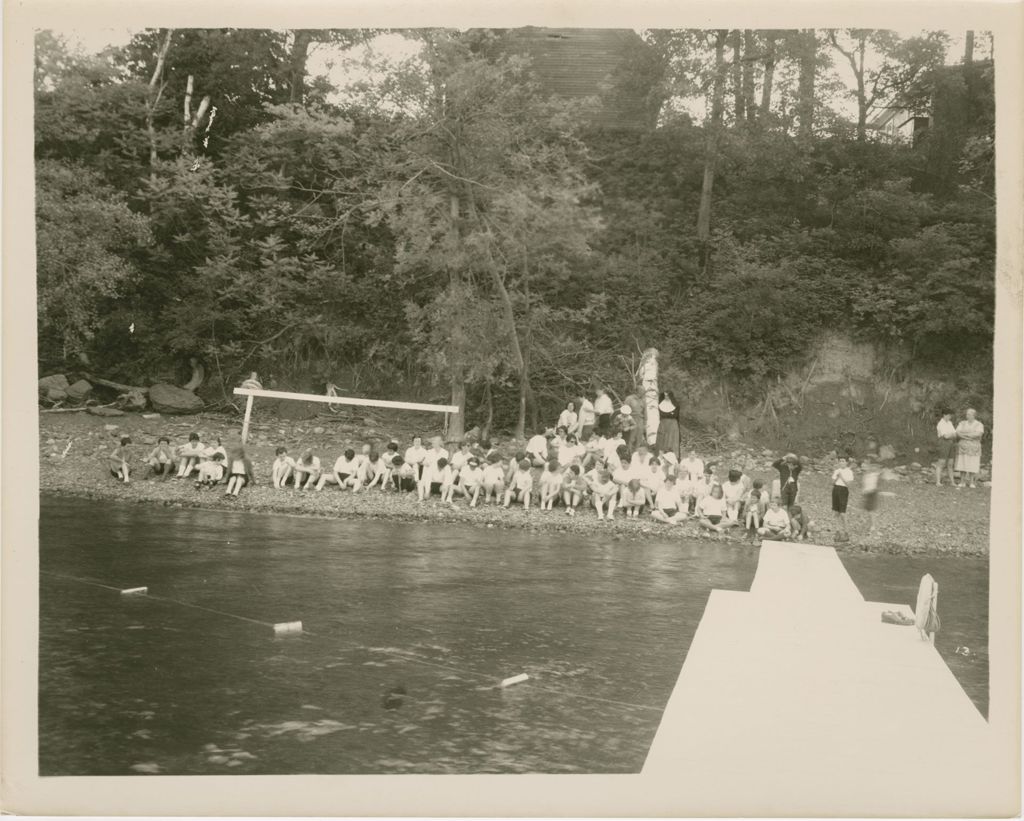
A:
x: 153, y: 99
x: 711, y: 151
x: 457, y: 421
x: 489, y: 399
x: 297, y: 65
x: 524, y: 385
x: 805, y: 89
x: 648, y: 373
x: 969, y: 49
x: 749, y: 48
x: 737, y: 76
x: 524, y: 370
x: 769, y: 76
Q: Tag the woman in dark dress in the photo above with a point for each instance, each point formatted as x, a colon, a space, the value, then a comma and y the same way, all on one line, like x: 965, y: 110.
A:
x: 668, y: 424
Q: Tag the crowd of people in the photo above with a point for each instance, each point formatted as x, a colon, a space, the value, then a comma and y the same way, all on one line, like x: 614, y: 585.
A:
x: 594, y: 457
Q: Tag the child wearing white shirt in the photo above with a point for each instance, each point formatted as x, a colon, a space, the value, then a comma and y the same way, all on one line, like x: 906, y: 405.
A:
x: 633, y: 498
x: 282, y: 469
x: 776, y: 522
x: 668, y: 504
x: 521, y: 487
x: 494, y: 479
x: 550, y: 485
x: 470, y: 481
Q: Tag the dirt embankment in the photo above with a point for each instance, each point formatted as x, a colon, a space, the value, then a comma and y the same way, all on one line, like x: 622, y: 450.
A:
x: 919, y: 518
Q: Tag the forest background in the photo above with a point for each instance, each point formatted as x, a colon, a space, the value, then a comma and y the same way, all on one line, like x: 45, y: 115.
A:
x: 443, y: 228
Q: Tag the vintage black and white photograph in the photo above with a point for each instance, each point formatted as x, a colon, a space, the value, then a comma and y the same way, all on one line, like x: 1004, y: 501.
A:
x: 520, y: 400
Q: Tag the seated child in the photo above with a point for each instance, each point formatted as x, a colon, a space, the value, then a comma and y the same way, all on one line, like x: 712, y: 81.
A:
x: 550, y: 485
x: 120, y: 459
x: 520, y: 489
x: 403, y: 475
x: 161, y: 459
x: 776, y: 522
x: 574, y: 489
x: 372, y: 472
x: 390, y: 452
x: 733, y: 491
x: 460, y: 458
x: 415, y: 455
x: 282, y: 470
x: 571, y: 452
x: 436, y: 472
x: 211, y: 471
x: 470, y: 481
x: 761, y: 499
x: 669, y: 506
x: 446, y: 478
x: 799, y: 523
x: 653, y: 479
x: 494, y: 479
x: 711, y: 509
x: 217, y: 448
x: 345, y: 473
x: 513, y: 466
x: 753, y: 511
x: 537, y: 448
x: 633, y: 498
x: 190, y: 455
x: 239, y: 471
x: 605, y: 491
x: 306, y: 470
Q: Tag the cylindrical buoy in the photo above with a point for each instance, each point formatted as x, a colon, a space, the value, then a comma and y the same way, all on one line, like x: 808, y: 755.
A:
x: 515, y: 680
x: 135, y: 591
x: 288, y: 628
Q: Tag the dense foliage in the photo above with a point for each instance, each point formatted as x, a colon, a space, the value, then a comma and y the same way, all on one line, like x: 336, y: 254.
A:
x: 452, y: 232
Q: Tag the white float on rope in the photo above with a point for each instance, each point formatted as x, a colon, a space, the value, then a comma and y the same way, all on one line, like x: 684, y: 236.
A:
x: 288, y: 628
x: 515, y: 680
x: 135, y: 591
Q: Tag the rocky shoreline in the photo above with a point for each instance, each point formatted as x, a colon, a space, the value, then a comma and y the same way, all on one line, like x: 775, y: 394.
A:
x: 919, y: 519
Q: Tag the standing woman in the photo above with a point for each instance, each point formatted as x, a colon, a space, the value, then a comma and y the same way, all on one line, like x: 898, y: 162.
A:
x: 946, y: 433
x: 567, y: 418
x: 668, y: 426
x: 968, y: 448
x: 587, y: 419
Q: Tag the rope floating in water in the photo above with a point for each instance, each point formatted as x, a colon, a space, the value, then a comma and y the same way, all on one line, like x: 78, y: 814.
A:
x: 400, y: 654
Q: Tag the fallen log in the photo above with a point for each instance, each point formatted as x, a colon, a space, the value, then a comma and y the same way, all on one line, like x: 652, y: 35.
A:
x: 117, y: 386
x: 75, y: 410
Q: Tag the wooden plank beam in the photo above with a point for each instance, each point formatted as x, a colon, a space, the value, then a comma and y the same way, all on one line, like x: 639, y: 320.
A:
x: 344, y: 400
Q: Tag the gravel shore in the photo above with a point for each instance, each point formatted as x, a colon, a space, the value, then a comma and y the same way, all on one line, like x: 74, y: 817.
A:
x: 919, y: 519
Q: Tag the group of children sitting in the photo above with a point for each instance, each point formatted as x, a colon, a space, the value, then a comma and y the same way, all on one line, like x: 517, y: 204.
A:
x: 555, y: 469
x: 211, y: 464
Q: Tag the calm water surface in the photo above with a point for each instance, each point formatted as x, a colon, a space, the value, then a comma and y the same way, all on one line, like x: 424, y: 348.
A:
x: 412, y: 627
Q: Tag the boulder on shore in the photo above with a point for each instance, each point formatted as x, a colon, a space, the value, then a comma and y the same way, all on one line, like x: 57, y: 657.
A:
x: 56, y: 382
x: 171, y: 399
x: 886, y: 452
x: 79, y: 390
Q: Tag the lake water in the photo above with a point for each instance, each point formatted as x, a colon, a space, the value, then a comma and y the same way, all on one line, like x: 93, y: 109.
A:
x: 410, y: 627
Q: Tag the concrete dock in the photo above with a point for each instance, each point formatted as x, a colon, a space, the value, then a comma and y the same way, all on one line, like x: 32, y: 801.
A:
x: 796, y: 699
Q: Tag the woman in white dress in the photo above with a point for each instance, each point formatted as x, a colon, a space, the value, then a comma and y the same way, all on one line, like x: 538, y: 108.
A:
x: 968, y: 448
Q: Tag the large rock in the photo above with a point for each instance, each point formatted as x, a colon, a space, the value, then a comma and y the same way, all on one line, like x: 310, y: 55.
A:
x: 79, y: 390
x: 56, y: 394
x: 57, y: 382
x: 886, y: 452
x: 172, y: 399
